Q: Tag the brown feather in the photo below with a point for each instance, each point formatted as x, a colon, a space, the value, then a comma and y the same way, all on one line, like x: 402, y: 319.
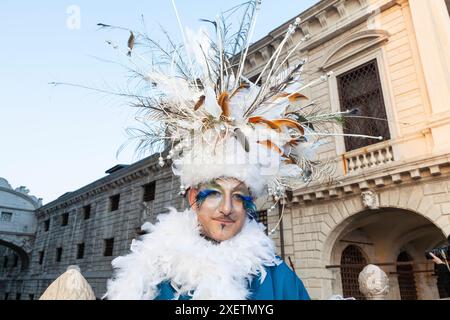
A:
x: 222, y: 100
x: 289, y: 160
x: 289, y: 123
x: 199, y: 103
x: 292, y: 96
x: 130, y: 43
x: 258, y: 119
x: 241, y: 86
x: 297, y: 96
x: 269, y: 144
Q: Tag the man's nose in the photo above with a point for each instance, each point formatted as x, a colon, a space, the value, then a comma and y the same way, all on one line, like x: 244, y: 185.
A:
x: 226, y: 206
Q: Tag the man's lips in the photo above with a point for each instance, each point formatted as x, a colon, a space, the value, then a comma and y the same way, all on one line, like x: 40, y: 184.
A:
x: 227, y: 221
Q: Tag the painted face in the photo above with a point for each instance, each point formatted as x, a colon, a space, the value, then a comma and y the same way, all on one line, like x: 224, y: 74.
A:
x: 222, y: 207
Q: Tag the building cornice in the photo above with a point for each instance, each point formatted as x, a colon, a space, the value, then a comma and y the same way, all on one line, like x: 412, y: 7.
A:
x: 391, y: 175
x: 114, y: 180
x: 328, y: 29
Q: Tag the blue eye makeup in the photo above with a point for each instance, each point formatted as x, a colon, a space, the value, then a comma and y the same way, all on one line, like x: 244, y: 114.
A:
x: 247, y: 201
x: 203, y: 194
x: 249, y: 206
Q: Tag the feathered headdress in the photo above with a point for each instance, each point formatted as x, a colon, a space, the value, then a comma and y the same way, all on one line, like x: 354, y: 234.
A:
x: 216, y: 121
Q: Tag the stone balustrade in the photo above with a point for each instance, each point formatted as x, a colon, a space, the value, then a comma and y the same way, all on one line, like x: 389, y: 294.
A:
x: 368, y: 157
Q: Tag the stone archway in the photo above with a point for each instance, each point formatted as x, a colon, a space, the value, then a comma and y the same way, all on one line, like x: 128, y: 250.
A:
x: 21, y: 246
x: 382, y: 235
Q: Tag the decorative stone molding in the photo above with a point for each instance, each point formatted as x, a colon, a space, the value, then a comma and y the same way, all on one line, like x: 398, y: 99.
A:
x: 390, y: 176
x: 322, y: 17
x: 348, y: 189
x: 415, y: 174
x: 396, y: 178
x: 363, y: 185
x: 252, y: 60
x: 305, y: 28
x: 370, y: 200
x: 373, y: 283
x: 266, y: 52
x: 340, y: 7
x: 363, y: 3
x: 379, y: 182
x: 435, y: 171
x: 365, y: 40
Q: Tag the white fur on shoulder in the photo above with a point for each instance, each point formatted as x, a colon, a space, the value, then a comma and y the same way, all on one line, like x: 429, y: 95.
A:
x: 174, y: 250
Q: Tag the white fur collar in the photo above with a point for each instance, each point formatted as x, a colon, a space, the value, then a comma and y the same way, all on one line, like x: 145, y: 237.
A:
x: 175, y: 251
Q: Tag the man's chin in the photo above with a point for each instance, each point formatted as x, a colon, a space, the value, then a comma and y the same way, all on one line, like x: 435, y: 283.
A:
x: 223, y: 235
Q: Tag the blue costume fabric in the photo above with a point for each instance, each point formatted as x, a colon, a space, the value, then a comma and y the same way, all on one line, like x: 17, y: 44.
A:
x: 280, y: 283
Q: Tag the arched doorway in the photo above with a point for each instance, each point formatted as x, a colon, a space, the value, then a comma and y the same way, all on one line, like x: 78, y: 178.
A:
x: 352, y: 263
x: 406, y: 280
x: 378, y: 237
x: 23, y: 257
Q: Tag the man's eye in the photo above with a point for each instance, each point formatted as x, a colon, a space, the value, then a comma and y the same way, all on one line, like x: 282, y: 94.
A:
x: 209, y: 193
x: 239, y: 197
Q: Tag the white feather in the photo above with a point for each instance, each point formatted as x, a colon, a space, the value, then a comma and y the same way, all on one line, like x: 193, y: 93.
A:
x: 174, y: 251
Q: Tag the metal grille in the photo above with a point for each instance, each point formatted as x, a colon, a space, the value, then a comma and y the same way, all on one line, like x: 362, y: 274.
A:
x: 262, y: 218
x: 406, y: 281
x: 352, y: 263
x: 360, y: 90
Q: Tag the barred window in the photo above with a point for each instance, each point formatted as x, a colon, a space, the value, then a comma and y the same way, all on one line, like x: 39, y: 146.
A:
x: 149, y: 191
x: 41, y: 257
x: 65, y: 219
x: 46, y: 225
x: 360, y: 91
x: 108, y: 247
x: 114, y: 202
x: 87, y: 212
x: 6, y: 216
x: 58, y: 254
x: 80, y: 250
x: 406, y: 279
x: 262, y: 218
x: 352, y: 263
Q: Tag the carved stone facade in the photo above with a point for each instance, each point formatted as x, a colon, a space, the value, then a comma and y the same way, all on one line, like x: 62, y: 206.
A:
x: 391, y: 199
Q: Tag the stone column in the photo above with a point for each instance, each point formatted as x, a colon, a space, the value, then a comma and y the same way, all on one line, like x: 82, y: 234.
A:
x: 432, y: 24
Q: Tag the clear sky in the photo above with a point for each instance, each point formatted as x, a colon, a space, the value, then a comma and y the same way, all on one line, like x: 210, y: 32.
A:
x: 58, y: 139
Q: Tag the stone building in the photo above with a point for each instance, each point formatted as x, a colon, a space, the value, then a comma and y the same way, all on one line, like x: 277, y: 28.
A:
x: 92, y: 225
x: 17, y: 231
x: 389, y: 201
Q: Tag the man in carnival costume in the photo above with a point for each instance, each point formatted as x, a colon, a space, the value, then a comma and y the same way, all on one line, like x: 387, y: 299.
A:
x: 232, y: 142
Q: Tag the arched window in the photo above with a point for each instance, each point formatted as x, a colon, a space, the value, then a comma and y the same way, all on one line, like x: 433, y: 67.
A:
x: 406, y: 281
x: 352, y: 263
